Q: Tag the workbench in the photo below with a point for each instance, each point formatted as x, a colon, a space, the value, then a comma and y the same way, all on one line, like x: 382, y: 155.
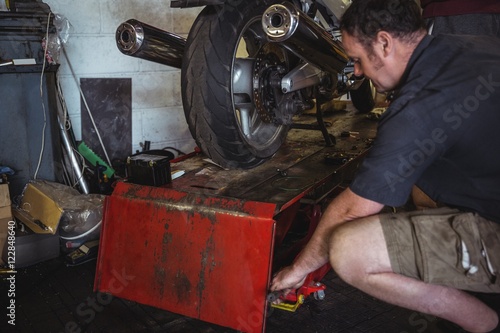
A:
x: 206, y: 245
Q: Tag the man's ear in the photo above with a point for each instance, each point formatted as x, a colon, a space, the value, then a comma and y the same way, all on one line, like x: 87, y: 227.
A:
x: 384, y: 43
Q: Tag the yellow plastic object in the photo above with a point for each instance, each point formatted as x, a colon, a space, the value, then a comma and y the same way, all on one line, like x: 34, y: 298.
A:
x: 292, y: 307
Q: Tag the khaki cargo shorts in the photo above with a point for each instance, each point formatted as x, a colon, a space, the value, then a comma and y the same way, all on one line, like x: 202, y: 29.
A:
x: 445, y: 246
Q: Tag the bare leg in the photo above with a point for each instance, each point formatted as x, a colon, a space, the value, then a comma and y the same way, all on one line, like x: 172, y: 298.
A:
x: 359, y: 256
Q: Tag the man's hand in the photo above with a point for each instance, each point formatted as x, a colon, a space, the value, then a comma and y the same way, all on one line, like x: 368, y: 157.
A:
x: 287, y: 279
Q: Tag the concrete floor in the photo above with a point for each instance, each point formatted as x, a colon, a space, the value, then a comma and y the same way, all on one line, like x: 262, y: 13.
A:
x: 52, y: 297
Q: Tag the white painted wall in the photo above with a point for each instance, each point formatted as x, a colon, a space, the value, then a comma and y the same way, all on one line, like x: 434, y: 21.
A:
x: 157, y: 113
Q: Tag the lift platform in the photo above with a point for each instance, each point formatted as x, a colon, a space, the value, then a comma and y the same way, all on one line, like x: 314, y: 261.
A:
x: 206, y: 244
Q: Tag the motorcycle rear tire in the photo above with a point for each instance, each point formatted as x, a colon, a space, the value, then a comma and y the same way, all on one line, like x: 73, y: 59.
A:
x: 207, y: 88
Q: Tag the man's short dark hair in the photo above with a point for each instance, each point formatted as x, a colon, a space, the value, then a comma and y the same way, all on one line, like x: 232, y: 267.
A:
x: 365, y: 18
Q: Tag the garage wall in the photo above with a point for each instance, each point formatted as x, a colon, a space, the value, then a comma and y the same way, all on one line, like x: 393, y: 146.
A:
x: 157, y: 114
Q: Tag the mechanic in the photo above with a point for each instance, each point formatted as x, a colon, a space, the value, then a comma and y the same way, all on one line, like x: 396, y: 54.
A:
x: 471, y: 17
x: 440, y: 133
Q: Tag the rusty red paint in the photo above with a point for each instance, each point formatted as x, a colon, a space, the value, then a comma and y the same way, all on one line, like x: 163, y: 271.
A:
x: 203, y: 257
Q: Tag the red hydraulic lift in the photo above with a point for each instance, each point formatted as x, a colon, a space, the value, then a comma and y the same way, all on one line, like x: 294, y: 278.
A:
x: 205, y: 246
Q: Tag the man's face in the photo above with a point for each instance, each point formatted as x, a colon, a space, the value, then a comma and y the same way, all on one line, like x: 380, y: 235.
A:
x: 370, y: 63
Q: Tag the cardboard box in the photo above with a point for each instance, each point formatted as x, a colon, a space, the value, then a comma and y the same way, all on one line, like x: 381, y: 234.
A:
x: 4, y: 224
x: 5, y: 216
x: 5, y: 212
x: 4, y: 196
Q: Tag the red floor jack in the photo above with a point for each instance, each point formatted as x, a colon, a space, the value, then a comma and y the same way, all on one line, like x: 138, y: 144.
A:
x: 296, y: 297
x: 308, y: 215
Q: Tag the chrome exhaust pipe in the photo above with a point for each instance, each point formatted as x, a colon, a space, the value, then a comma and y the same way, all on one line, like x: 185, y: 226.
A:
x: 297, y: 32
x: 140, y: 40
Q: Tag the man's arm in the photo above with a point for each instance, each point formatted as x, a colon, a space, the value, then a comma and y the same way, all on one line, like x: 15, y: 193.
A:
x: 347, y: 206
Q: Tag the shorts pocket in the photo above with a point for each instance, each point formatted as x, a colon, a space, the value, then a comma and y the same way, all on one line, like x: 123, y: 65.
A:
x: 451, y: 250
x: 490, y: 237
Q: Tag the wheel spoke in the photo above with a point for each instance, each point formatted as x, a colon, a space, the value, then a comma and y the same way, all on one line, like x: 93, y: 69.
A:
x: 244, y: 111
x: 242, y: 76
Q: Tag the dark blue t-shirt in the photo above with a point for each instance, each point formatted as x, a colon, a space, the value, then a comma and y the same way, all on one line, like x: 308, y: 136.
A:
x: 442, y: 130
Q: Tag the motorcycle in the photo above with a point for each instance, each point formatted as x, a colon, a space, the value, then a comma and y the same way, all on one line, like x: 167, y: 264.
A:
x: 248, y: 67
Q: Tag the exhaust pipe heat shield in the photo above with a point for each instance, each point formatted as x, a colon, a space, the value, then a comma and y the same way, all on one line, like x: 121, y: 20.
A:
x: 297, y: 32
x: 140, y: 40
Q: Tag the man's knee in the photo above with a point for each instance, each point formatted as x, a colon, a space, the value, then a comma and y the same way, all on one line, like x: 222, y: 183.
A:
x: 357, y: 249
x: 344, y: 253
